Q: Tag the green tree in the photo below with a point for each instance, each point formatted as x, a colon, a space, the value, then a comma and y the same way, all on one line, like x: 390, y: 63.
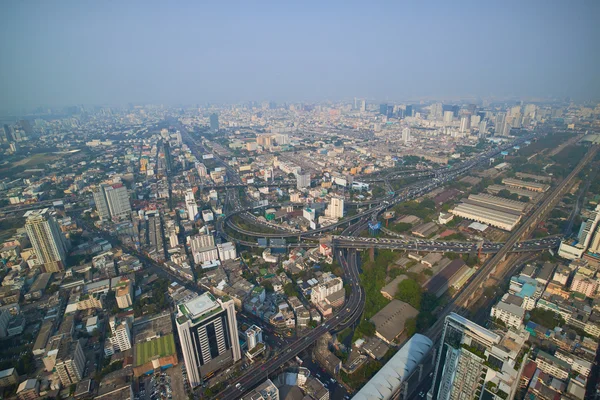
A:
x: 401, y: 227
x: 504, y: 193
x: 290, y: 290
x: 409, y: 291
x: 410, y: 326
x: 268, y: 286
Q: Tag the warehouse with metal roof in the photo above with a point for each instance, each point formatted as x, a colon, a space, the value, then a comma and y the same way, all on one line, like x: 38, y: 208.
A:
x: 533, y: 186
x: 493, y: 189
x: 487, y: 215
x: 389, y: 380
x: 486, y: 199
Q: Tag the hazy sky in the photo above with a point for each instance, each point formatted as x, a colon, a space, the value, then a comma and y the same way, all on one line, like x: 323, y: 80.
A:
x: 92, y: 52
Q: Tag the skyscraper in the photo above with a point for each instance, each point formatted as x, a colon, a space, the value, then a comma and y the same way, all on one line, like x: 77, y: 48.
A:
x: 302, y: 180
x: 336, y: 208
x: 208, y: 336
x: 465, y: 124
x: 254, y: 336
x: 112, y: 201
x: 48, y: 242
x: 383, y: 109
x: 460, y: 366
x: 190, y: 204
x: 214, y: 122
x: 475, y: 363
x: 501, y: 125
x: 406, y: 135
x: 436, y: 111
x: 362, y: 105
x: 70, y: 362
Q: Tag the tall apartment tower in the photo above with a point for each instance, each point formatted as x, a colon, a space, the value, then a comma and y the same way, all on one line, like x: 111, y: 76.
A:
x: 121, y: 334
x: 47, y: 240
x: 336, y: 208
x: 459, y: 371
x: 254, y: 336
x: 214, y: 122
x: 406, y: 135
x: 190, y: 204
x: 208, y: 336
x: 500, y: 124
x: 302, y: 180
x: 70, y: 362
x: 112, y: 201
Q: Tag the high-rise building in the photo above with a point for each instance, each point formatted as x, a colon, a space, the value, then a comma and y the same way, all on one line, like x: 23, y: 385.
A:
x: 483, y: 128
x: 465, y: 124
x: 302, y: 180
x: 383, y: 109
x: 124, y: 293
x: 474, y: 362
x: 254, y: 336
x: 265, y: 391
x: 448, y: 116
x: 500, y: 124
x: 406, y: 135
x: 70, y: 362
x: 202, y: 171
x: 588, y: 228
x: 595, y: 243
x: 48, y: 242
x: 208, y: 336
x: 190, y: 204
x: 335, y: 208
x: 436, y: 111
x: 112, y: 201
x: 362, y: 105
x: 460, y: 369
x: 121, y: 333
x: 200, y: 242
x: 214, y: 122
x: 8, y: 133
x: 408, y: 112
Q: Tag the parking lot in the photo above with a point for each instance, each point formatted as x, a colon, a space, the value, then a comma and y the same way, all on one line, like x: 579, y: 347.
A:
x: 156, y: 387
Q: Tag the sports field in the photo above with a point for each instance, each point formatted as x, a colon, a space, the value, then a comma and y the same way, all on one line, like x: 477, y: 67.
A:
x: 160, y: 347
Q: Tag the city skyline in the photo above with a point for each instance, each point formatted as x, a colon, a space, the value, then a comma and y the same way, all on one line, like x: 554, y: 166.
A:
x: 94, y: 54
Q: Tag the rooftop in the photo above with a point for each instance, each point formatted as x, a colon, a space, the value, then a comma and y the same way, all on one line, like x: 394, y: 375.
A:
x: 159, y: 347
x: 200, y: 306
x: 389, y: 321
x: 400, y: 367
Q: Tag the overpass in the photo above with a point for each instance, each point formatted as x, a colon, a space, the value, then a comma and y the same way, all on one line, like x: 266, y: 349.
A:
x: 468, y: 291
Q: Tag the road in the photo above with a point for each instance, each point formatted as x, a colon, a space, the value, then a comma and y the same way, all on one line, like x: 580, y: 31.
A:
x: 411, y: 192
x: 344, y: 317
x: 483, y: 273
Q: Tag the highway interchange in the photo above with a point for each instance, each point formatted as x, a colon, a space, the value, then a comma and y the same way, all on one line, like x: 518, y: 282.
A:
x: 352, y: 310
x: 348, y: 259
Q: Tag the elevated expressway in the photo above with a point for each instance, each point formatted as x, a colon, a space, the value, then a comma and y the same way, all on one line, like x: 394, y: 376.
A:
x: 354, y: 306
x: 468, y: 291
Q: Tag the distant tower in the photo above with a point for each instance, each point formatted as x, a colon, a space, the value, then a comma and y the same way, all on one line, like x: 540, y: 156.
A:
x: 47, y: 240
x: 214, y: 122
x: 500, y: 124
x: 465, y: 124
x: 406, y: 135
x: 190, y: 204
x: 112, y: 201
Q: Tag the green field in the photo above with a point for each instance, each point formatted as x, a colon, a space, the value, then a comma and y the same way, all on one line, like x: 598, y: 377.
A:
x: 160, y: 347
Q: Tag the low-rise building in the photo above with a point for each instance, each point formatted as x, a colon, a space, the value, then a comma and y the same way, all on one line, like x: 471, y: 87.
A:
x: 390, y: 320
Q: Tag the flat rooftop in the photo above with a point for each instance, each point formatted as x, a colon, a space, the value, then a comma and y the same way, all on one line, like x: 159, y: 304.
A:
x: 199, y: 306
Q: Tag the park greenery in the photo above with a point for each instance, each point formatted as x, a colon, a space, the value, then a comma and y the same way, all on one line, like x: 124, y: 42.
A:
x: 546, y: 318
